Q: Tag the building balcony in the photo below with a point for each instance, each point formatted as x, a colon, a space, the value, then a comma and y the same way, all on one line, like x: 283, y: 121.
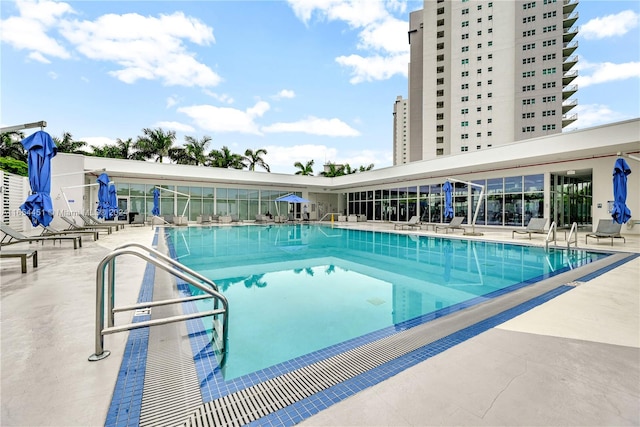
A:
x: 569, y: 63
x: 569, y: 77
x: 569, y: 105
x: 567, y: 120
x: 569, y: 91
x: 569, y: 48
x: 569, y: 19
x: 569, y: 34
x: 569, y: 6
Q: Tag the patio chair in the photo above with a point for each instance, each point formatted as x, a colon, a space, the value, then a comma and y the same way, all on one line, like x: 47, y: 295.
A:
x: 92, y: 220
x: 414, y: 222
x: 88, y: 222
x: 12, y: 236
x: 535, y: 226
x: 137, y: 220
x: 48, y: 230
x: 454, y: 224
x: 73, y: 226
x: 607, y: 229
x: 23, y: 254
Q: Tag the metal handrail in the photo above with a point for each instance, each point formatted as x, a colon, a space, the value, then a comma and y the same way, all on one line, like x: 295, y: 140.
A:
x: 552, y: 229
x: 574, y: 226
x: 167, y: 264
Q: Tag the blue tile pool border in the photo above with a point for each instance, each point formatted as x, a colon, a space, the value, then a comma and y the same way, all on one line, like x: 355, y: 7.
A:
x: 127, y: 396
x: 126, y: 401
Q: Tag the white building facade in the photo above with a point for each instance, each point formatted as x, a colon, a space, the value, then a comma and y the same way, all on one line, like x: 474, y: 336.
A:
x: 485, y: 73
x: 565, y: 177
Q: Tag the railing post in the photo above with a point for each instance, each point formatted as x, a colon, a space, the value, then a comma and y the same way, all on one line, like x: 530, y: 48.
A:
x: 111, y: 280
x: 100, y: 353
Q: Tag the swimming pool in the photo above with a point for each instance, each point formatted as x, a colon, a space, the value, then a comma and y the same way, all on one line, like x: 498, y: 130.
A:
x: 295, y: 290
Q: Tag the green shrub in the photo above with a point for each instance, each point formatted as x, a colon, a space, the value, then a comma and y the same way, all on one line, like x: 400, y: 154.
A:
x: 12, y: 165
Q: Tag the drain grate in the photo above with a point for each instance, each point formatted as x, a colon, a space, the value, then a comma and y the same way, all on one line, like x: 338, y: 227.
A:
x: 255, y: 402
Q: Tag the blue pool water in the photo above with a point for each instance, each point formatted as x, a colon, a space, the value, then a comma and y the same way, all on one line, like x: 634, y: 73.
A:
x: 296, y: 289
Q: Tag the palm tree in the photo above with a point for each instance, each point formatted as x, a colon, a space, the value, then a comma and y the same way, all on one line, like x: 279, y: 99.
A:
x: 193, y: 152
x: 224, y: 158
x: 304, y: 169
x: 155, y: 143
x: 254, y: 158
x: 12, y: 147
x: 334, y: 170
x: 66, y: 144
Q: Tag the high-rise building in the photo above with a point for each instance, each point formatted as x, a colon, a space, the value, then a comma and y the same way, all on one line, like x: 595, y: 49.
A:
x: 400, y: 131
x: 485, y: 73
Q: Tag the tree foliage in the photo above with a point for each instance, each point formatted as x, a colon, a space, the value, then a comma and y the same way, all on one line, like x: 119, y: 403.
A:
x: 305, y: 169
x: 254, y: 158
x: 15, y: 166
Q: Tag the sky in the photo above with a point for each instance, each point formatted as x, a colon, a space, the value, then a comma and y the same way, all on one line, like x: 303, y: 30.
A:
x: 303, y: 79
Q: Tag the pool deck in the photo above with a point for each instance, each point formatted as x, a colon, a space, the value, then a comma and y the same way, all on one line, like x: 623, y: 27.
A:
x: 574, y: 360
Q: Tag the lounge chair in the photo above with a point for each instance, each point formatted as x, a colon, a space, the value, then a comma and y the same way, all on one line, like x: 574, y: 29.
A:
x: 454, y: 224
x: 23, y: 255
x: 535, y: 226
x: 47, y: 230
x: 607, y: 229
x: 90, y: 219
x: 88, y: 222
x: 137, y: 220
x: 414, y: 222
x: 12, y: 236
x: 73, y: 226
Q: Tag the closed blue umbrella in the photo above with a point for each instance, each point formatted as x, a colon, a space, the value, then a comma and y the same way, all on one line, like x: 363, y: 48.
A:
x: 447, y: 188
x: 113, y: 202
x: 156, y: 202
x: 38, y: 206
x: 620, y: 213
x: 103, y: 195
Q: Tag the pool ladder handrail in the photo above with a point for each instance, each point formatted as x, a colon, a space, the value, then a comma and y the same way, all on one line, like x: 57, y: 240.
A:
x: 167, y: 264
x: 574, y: 227
x: 551, y: 235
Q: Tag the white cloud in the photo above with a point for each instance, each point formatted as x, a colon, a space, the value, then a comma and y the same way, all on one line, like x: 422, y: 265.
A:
x: 610, y: 25
x: 366, y: 69
x: 605, y: 72
x: 28, y: 31
x: 177, y: 126
x: 225, y: 98
x: 314, y: 126
x: 149, y: 48
x: 38, y: 57
x: 381, y: 36
x: 387, y: 36
x: 285, y: 93
x: 225, y: 119
x: 52, y: 75
x: 171, y: 101
x: 281, y: 159
x: 594, y: 114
